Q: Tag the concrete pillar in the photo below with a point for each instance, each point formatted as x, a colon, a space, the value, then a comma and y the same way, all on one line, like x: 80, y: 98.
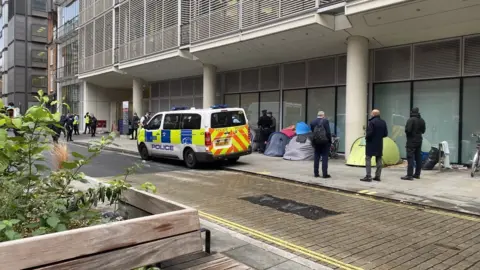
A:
x: 59, y: 99
x: 209, y: 87
x: 137, y: 97
x: 357, y: 90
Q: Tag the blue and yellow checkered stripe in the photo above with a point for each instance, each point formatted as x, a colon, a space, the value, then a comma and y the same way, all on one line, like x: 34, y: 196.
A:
x: 184, y: 136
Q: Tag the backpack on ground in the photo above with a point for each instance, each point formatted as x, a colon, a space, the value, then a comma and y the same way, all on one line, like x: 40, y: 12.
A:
x: 319, y: 135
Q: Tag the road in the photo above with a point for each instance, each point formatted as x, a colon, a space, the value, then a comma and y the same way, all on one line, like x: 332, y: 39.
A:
x: 340, y: 230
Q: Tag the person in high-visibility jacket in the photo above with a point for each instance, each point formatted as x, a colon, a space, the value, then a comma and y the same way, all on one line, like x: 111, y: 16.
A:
x: 87, y: 123
x: 75, y: 124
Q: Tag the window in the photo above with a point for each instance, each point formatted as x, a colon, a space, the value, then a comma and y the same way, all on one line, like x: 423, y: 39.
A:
x: 191, y: 121
x: 39, y: 30
x: 227, y: 119
x: 40, y: 5
x: 439, y: 101
x: 270, y: 101
x: 232, y: 100
x: 321, y: 99
x: 39, y: 56
x: 39, y: 81
x: 172, y: 121
x: 341, y: 109
x: 250, y: 103
x: 470, y: 112
x: 293, y: 107
x: 393, y: 101
x: 155, y: 123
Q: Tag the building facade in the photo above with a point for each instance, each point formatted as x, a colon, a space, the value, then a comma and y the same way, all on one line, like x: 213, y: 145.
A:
x: 292, y: 57
x: 25, y: 57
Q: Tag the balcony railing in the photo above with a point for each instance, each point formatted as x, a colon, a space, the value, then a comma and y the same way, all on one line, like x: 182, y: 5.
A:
x: 67, y: 72
x: 93, y: 10
x: 67, y: 30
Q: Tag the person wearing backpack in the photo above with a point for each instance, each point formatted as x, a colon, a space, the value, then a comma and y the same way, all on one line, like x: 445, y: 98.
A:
x: 321, y: 140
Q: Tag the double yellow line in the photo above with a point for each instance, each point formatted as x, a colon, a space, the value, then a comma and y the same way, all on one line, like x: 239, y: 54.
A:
x: 280, y: 242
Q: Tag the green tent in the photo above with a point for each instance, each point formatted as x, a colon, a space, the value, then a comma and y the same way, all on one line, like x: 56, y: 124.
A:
x: 391, y: 154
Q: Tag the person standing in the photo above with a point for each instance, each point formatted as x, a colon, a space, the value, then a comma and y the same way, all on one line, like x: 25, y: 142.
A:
x: 376, y: 131
x: 414, y: 130
x: 321, y: 140
x: 93, y: 125
x: 135, y: 122
x: 75, y: 124
x: 264, y: 124
x: 273, y: 127
x: 87, y: 123
x: 63, y: 121
x: 144, y: 119
x: 69, y: 127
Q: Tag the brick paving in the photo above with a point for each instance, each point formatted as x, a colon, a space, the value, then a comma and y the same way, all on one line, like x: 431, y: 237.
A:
x: 368, y: 234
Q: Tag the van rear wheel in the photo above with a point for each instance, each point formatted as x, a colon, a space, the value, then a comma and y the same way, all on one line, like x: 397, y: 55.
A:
x: 190, y: 159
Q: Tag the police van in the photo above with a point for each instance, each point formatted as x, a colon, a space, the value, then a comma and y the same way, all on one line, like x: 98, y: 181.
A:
x: 196, y: 135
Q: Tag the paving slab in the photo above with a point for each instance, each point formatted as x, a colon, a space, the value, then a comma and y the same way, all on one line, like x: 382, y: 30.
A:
x: 289, y: 265
x: 255, y: 257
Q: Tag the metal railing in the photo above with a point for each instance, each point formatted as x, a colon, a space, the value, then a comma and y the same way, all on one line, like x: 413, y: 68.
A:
x: 93, y: 10
x: 240, y: 15
x: 67, y: 72
x: 68, y: 29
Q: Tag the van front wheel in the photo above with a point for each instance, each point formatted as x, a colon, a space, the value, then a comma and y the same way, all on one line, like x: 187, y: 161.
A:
x: 190, y: 159
x: 144, y: 152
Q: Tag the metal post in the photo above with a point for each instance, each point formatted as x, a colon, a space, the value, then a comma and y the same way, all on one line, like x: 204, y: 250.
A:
x: 26, y: 58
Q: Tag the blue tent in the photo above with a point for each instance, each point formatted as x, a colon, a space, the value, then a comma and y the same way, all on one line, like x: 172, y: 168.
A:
x: 302, y: 128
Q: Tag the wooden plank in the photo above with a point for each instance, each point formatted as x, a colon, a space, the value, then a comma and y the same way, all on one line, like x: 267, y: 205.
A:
x: 149, y: 202
x: 51, y: 248
x: 188, y: 264
x: 135, y: 256
x: 183, y: 259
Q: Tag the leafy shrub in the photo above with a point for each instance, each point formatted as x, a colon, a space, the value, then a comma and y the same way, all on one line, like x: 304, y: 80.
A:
x: 36, y: 199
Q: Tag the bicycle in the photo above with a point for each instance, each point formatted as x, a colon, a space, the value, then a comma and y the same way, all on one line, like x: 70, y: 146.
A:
x: 476, y: 156
x: 334, y: 147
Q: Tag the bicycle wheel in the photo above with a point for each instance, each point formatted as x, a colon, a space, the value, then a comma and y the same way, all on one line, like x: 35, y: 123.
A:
x: 474, y: 165
x: 441, y: 158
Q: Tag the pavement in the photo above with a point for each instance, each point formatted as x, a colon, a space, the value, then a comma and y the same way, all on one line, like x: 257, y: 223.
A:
x: 452, y: 190
x: 363, y: 232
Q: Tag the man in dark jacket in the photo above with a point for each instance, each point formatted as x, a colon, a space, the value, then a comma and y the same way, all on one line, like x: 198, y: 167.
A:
x: 414, y: 129
x: 69, y: 126
x: 93, y: 125
x: 376, y: 131
x: 135, y: 122
x: 264, y: 124
x: 321, y: 150
x: 63, y: 121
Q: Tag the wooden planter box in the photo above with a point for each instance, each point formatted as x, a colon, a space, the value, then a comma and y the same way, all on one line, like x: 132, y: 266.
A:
x: 170, y: 231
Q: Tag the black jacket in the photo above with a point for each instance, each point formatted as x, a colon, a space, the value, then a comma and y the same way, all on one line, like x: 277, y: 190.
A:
x: 414, y: 129
x: 135, y: 121
x: 265, y: 122
x: 326, y: 126
x: 69, y: 123
x: 376, y: 131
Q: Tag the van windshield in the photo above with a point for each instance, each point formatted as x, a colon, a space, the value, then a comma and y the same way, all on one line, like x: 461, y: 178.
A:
x: 228, y: 119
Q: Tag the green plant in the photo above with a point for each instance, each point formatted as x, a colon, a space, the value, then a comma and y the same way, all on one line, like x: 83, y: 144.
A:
x: 36, y: 199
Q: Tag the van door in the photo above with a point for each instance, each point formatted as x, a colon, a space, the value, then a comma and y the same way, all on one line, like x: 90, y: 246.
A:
x: 229, y: 132
x: 170, y: 135
x: 152, y: 134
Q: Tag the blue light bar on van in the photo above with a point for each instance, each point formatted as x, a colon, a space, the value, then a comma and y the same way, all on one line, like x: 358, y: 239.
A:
x: 220, y: 106
x: 180, y: 108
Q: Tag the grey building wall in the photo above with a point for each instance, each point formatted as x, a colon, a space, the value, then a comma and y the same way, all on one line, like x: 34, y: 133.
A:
x: 24, y: 63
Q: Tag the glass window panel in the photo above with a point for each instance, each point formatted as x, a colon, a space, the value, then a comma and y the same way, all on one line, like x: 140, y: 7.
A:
x: 146, y: 106
x: 249, y: 102
x: 39, y: 81
x: 270, y: 101
x: 198, y: 102
x: 341, y: 109
x: 181, y: 102
x: 293, y: 107
x: 164, y: 105
x: 40, y: 5
x: 321, y: 99
x: 39, y: 56
x: 438, y: 101
x: 470, y: 112
x: 232, y: 100
x: 39, y: 30
x: 155, y: 105
x: 393, y: 101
